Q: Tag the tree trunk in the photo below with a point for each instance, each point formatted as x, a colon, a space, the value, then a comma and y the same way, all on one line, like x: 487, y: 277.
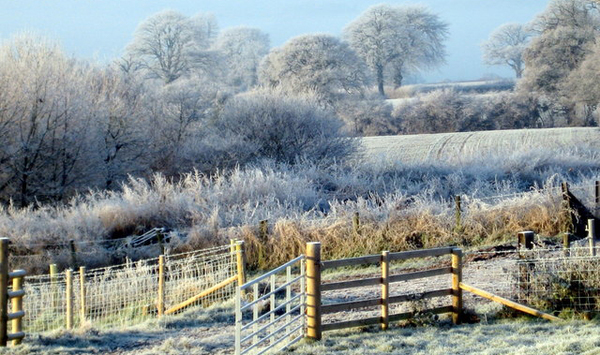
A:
x: 380, y: 80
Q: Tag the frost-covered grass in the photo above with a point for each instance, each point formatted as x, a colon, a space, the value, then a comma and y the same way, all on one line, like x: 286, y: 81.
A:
x: 210, y: 331
x: 501, y: 337
x: 402, y: 204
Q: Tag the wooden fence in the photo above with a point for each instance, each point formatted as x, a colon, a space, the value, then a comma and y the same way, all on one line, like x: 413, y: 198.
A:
x: 15, y: 295
x: 315, y: 308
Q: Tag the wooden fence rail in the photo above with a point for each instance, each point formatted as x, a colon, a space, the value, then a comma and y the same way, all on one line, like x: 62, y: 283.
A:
x: 315, y: 308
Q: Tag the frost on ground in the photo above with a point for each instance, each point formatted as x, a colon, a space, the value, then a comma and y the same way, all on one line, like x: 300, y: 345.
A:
x: 502, y: 337
x: 201, y: 331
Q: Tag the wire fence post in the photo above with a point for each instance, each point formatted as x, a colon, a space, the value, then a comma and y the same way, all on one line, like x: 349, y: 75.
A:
x: 161, y: 286
x: 385, y: 290
x: 73, y: 254
x: 241, y: 269
x: 597, y: 196
x: 524, y: 243
x: 53, y: 284
x: 592, y: 236
x: 458, y: 214
x: 3, y: 291
x: 69, y: 298
x: 82, y: 305
x: 356, y: 223
x: 457, y: 301
x: 313, y: 290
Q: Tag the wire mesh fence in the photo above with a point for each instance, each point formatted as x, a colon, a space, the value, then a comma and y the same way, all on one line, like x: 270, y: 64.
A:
x: 125, y: 294
x: 552, y: 280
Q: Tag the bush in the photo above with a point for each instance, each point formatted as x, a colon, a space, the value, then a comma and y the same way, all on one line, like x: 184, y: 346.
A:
x: 271, y: 125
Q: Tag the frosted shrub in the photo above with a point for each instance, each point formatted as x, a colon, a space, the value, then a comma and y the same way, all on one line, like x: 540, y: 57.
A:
x: 267, y: 124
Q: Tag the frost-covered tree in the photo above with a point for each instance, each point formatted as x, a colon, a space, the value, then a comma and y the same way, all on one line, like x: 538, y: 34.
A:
x: 169, y: 45
x: 319, y: 64
x: 398, y: 40
x: 242, y: 49
x: 506, y: 46
x: 567, y: 30
x: 45, y: 121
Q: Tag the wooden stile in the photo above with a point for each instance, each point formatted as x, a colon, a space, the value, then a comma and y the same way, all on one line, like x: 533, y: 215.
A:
x: 17, y: 311
x: 3, y: 291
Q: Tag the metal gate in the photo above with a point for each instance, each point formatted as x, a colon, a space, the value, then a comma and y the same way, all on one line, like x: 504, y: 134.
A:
x: 270, y: 310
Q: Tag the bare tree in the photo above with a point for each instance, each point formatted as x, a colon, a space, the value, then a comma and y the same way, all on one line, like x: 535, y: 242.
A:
x: 506, y: 46
x: 319, y: 64
x: 398, y: 40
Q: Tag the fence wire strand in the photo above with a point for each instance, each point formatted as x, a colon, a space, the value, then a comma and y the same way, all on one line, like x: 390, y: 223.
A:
x: 127, y: 294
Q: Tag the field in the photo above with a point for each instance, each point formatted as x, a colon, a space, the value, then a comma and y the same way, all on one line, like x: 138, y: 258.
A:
x: 400, y: 188
x: 465, y: 147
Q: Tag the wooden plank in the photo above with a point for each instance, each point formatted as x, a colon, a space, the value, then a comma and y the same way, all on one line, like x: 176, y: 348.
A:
x: 204, y: 293
x: 160, y: 302
x: 346, y: 306
x: 15, y: 315
x: 16, y: 273
x: 368, y: 259
x: 409, y: 315
x: 351, y: 324
x: 351, y: 284
x: 404, y: 255
x: 421, y: 296
x: 16, y: 336
x: 508, y: 303
x: 420, y: 274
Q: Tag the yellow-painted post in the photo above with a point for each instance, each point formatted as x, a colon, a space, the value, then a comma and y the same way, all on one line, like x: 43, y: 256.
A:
x: 82, y: 305
x: 4, y: 291
x: 53, y: 284
x: 457, y: 302
x: 385, y: 290
x: 241, y: 269
x: 17, y: 306
x: 313, y: 290
x: 161, y: 286
x: 69, y: 298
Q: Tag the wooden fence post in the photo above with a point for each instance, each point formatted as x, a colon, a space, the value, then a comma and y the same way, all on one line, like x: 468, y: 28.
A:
x: 161, y: 286
x: 567, y: 239
x: 524, y: 241
x: 82, y: 305
x: 53, y: 285
x: 458, y: 214
x: 597, y: 197
x: 385, y: 290
x: 356, y: 223
x: 73, y: 254
x: 241, y: 269
x: 17, y: 307
x: 457, y: 301
x: 3, y: 291
x: 69, y: 298
x: 313, y: 290
x: 592, y: 235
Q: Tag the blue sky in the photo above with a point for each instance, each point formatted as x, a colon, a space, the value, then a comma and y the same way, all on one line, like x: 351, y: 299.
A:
x: 100, y: 29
